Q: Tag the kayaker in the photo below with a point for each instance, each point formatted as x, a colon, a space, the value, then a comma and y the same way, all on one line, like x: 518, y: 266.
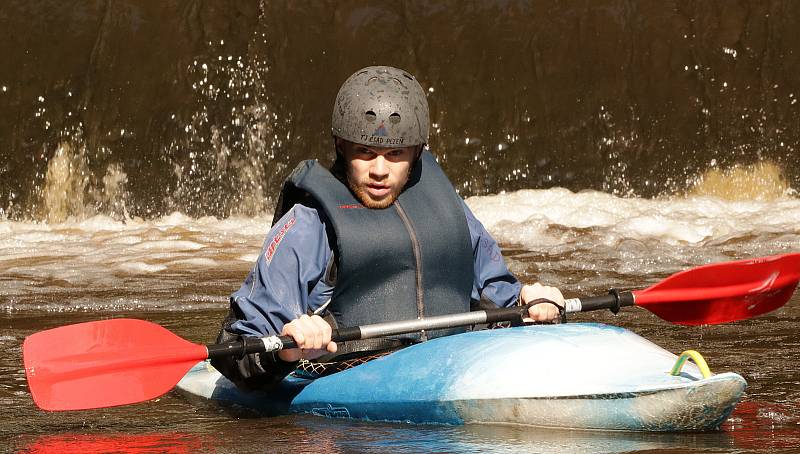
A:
x: 381, y: 235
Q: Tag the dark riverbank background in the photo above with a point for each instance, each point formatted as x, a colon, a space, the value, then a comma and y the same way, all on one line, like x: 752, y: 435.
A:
x: 145, y: 108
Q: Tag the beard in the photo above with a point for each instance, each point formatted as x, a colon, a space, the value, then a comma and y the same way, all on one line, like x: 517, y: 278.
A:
x: 359, y: 189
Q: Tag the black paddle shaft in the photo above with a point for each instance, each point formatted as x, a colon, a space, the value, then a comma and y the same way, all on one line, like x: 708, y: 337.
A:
x: 614, y: 300
x: 248, y: 345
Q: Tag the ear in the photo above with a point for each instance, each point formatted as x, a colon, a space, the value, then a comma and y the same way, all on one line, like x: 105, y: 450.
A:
x: 338, y: 145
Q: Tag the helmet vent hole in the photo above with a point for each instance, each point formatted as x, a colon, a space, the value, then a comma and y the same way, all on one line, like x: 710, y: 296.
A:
x: 394, y: 118
x: 407, y: 76
x: 370, y: 116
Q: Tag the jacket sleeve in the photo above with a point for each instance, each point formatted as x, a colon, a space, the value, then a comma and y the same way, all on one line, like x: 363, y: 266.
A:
x: 286, y: 282
x: 493, y: 284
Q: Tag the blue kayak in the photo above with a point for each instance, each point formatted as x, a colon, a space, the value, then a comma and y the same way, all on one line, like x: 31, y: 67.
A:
x: 580, y: 376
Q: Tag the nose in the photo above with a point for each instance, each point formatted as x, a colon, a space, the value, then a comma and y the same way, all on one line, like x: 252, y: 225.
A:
x: 379, y: 170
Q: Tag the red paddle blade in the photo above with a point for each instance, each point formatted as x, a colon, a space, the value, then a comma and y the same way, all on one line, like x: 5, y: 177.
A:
x: 105, y: 363
x: 723, y: 292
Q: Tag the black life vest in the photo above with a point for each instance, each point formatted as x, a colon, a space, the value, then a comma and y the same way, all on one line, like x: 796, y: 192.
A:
x: 412, y: 259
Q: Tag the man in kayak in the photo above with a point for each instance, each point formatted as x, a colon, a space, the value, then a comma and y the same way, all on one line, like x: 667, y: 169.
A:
x: 380, y: 236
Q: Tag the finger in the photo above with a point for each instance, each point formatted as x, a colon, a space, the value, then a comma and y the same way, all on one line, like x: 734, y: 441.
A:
x: 556, y: 296
x: 535, y: 312
x: 295, y: 329
x: 327, y: 330
x: 552, y: 294
x: 323, y: 329
x: 299, y: 337
x: 543, y: 312
x: 320, y: 340
x: 292, y: 354
x: 310, y: 333
x: 332, y: 347
x: 531, y: 292
x: 315, y: 343
x: 295, y: 332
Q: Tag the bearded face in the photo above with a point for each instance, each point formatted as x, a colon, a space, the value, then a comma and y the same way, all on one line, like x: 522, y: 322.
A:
x: 377, y: 175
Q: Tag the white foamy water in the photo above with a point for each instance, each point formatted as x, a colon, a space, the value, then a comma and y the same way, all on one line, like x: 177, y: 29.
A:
x: 575, y: 240
x: 524, y: 217
x: 592, y: 239
x: 100, y: 263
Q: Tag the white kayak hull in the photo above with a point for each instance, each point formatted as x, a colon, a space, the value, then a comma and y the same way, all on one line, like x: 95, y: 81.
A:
x: 579, y: 376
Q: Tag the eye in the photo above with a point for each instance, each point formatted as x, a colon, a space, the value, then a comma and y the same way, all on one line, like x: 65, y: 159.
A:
x: 394, y: 118
x: 370, y: 116
x: 362, y: 151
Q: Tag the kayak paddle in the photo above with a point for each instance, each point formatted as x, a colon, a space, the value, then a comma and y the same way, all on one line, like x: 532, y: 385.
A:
x: 122, y: 361
x: 710, y: 294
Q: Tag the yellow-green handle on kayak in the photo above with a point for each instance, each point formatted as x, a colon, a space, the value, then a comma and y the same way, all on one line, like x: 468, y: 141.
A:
x: 698, y: 360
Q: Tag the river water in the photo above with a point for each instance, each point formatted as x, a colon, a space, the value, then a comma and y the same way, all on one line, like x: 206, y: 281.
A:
x: 178, y: 271
x: 604, y: 144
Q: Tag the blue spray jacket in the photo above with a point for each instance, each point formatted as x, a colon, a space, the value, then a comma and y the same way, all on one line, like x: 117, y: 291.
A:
x: 289, y: 278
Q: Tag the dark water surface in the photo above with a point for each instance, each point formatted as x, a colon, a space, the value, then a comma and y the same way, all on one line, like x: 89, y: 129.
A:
x: 764, y: 351
x: 145, y: 108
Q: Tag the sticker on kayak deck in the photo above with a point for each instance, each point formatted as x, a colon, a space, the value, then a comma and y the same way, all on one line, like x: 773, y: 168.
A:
x: 273, y: 245
x: 331, y: 412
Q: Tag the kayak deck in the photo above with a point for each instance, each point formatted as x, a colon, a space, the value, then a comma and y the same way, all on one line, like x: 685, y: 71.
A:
x: 585, y: 376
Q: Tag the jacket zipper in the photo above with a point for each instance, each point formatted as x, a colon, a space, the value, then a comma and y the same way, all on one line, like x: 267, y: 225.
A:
x: 418, y: 261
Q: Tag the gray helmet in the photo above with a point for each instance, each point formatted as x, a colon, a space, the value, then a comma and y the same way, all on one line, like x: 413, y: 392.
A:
x: 381, y: 106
